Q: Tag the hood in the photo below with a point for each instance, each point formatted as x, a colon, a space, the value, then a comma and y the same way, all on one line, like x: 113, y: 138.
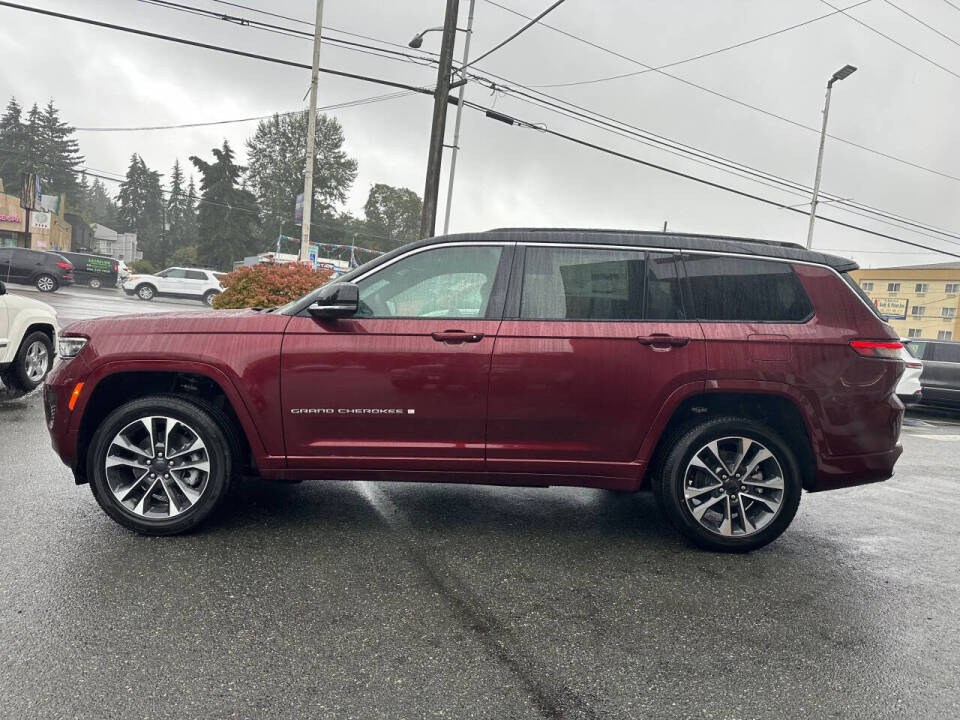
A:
x: 19, y: 302
x: 209, y: 322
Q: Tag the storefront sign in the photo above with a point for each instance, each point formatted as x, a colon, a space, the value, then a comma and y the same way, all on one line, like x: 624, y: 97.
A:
x: 40, y: 221
x: 892, y: 308
x: 11, y: 218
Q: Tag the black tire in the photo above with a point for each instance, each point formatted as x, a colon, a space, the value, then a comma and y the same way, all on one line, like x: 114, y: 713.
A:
x: 146, y: 291
x: 45, y: 282
x: 669, y: 483
x: 208, y: 297
x: 18, y: 374
x: 208, y: 422
x: 95, y: 283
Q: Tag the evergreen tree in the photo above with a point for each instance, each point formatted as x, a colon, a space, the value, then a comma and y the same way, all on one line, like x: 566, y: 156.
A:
x: 100, y: 207
x: 13, y: 147
x: 228, y: 215
x: 176, y: 210
x: 141, y: 210
x: 277, y: 158
x: 35, y: 148
x: 190, y: 228
x: 61, y: 157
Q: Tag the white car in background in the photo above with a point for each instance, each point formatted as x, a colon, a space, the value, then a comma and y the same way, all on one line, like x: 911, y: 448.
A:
x: 28, y: 337
x: 908, y: 389
x: 190, y: 283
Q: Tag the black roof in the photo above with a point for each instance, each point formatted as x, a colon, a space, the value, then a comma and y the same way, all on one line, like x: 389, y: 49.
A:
x: 681, y: 241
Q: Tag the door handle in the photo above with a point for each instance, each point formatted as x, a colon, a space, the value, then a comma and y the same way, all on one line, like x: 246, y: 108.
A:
x: 456, y: 337
x: 662, y: 340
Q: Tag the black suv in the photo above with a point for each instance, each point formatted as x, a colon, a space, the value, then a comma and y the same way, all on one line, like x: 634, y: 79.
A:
x: 45, y: 270
x: 941, y: 371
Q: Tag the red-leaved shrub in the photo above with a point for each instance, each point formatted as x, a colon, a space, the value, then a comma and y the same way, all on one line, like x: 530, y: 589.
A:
x: 268, y: 285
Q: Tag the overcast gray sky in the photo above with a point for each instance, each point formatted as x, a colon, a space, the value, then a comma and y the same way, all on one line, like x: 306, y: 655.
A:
x: 896, y: 103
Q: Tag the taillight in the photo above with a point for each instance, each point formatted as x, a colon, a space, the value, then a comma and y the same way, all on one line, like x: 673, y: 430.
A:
x: 65, y: 266
x: 877, y: 349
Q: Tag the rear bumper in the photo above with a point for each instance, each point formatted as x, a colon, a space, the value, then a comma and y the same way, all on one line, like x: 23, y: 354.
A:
x: 840, y: 472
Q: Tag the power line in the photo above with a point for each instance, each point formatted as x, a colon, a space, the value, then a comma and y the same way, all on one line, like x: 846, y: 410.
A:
x: 894, y: 41
x: 701, y: 55
x: 729, y: 98
x: 337, y: 106
x: 925, y: 24
x: 209, y: 46
x: 955, y: 7
x: 533, y: 21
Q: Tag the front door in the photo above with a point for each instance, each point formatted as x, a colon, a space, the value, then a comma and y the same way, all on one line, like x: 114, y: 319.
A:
x: 403, y: 384
x: 597, y: 343
x: 170, y: 281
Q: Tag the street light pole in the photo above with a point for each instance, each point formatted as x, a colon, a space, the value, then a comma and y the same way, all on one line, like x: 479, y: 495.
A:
x: 311, y: 135
x: 456, y: 124
x: 845, y: 71
x: 428, y: 218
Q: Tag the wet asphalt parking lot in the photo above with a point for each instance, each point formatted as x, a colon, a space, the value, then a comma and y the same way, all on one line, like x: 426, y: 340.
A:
x: 367, y: 600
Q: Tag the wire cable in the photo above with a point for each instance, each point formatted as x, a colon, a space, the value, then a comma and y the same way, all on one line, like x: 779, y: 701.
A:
x: 925, y: 24
x: 675, y: 63
x: 533, y: 21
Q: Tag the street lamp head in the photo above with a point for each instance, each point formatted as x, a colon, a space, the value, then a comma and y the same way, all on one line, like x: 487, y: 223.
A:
x: 844, y: 72
x: 417, y: 41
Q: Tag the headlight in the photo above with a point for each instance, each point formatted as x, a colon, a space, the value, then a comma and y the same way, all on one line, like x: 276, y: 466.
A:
x: 70, y: 346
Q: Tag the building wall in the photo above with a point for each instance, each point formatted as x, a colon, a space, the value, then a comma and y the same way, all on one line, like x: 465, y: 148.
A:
x: 880, y: 285
x: 12, y: 234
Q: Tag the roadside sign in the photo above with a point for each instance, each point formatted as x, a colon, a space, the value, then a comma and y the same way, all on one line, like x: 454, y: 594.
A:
x: 892, y: 308
x: 298, y: 210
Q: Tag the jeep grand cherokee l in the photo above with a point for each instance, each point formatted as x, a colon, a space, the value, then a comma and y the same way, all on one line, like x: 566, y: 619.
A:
x: 726, y: 375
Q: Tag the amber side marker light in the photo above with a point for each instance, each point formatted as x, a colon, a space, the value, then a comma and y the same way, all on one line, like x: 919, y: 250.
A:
x: 74, y: 395
x: 873, y: 348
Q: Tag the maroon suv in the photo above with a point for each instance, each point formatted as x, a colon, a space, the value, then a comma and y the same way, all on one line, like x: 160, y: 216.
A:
x: 724, y: 374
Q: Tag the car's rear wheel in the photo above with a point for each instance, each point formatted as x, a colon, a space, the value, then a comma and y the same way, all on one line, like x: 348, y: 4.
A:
x: 46, y: 283
x: 146, y: 292
x: 31, y: 363
x: 160, y: 465
x: 729, y: 484
x: 209, y: 296
x: 95, y: 283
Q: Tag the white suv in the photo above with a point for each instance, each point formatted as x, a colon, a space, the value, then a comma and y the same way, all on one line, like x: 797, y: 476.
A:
x: 28, y: 336
x: 192, y: 283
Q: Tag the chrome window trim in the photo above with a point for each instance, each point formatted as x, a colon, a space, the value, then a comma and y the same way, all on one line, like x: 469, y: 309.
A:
x: 425, y: 248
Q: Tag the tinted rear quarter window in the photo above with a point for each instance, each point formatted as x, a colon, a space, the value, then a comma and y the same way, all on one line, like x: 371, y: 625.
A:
x: 745, y: 290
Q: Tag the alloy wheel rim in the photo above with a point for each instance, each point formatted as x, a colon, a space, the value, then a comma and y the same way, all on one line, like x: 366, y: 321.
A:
x: 157, y: 467
x: 734, y: 486
x: 37, y: 361
x: 45, y: 283
x: 146, y: 293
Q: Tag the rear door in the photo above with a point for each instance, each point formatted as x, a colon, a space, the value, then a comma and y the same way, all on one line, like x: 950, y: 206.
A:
x: 23, y: 265
x: 594, y: 342
x: 195, y: 282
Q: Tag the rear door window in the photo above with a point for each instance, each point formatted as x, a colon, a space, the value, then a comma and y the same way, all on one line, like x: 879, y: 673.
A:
x: 736, y: 289
x: 569, y: 283
x: 196, y: 275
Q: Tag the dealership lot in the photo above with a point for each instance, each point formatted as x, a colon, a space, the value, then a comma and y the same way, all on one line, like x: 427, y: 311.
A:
x: 332, y: 599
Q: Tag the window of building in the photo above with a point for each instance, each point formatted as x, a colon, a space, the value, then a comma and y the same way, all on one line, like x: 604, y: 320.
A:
x: 948, y: 312
x: 914, y: 332
x: 893, y: 287
x: 918, y: 310
x: 598, y: 284
x: 921, y: 287
x: 449, y: 282
x: 735, y: 289
x: 944, y: 335
x: 953, y: 288
x: 867, y: 286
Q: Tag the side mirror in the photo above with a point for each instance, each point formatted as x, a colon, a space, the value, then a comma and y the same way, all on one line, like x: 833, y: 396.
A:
x: 336, y: 300
x: 3, y: 288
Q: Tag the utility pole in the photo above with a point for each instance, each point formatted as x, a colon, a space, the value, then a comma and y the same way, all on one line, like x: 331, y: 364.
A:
x: 311, y: 135
x: 845, y: 71
x: 456, y: 124
x: 428, y: 220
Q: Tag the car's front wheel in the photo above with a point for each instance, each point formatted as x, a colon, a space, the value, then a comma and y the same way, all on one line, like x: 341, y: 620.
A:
x: 31, y: 363
x: 46, y: 283
x: 146, y: 292
x: 160, y: 465
x: 730, y: 484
